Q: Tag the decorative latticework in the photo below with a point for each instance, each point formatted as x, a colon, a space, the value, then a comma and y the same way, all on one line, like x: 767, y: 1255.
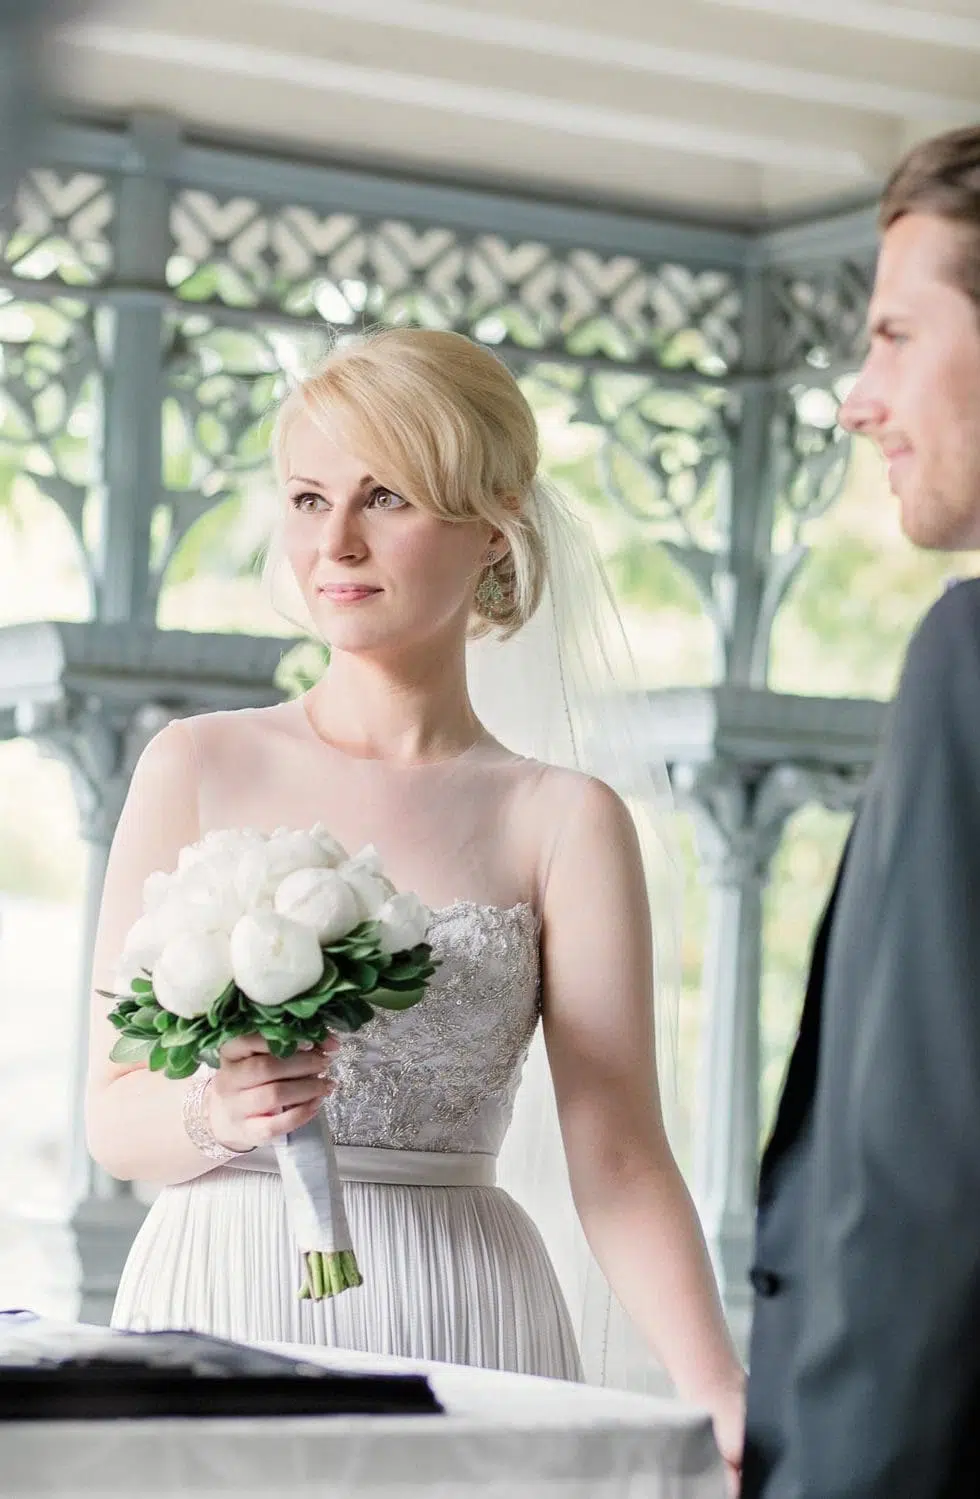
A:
x: 663, y: 453
x: 50, y: 401
x: 819, y: 315
x: 810, y: 454
x: 222, y: 387
x: 60, y: 227
x: 351, y: 270
x: 645, y: 350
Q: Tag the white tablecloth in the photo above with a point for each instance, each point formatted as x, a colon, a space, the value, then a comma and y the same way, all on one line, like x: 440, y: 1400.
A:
x: 504, y: 1436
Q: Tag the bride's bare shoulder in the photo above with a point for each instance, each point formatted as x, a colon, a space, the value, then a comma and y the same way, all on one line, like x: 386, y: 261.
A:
x: 552, y: 794
x: 239, y: 729
x: 207, y: 743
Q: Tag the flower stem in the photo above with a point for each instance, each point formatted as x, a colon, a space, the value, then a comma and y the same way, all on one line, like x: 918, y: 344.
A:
x: 329, y: 1274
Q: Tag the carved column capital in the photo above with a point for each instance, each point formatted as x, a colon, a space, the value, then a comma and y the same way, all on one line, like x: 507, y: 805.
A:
x: 100, y: 740
x: 740, y: 812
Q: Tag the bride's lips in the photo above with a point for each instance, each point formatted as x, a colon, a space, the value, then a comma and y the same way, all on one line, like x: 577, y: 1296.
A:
x: 347, y: 593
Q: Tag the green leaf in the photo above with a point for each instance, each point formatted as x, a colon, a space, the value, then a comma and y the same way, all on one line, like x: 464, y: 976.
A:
x: 218, y: 1006
x: 280, y: 1033
x: 266, y: 1013
x: 174, y: 1038
x: 348, y: 1014
x: 145, y: 1018
x: 303, y: 1009
x: 185, y: 1069
x: 397, y: 999
x: 329, y: 976
x: 181, y: 1060
x: 141, y: 986
x: 365, y: 976
x: 157, y: 1059
x: 222, y: 1037
x: 129, y: 1049
x: 358, y: 951
x: 163, y: 1021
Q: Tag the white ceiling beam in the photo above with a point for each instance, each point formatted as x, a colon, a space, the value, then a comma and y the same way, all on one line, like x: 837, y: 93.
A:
x: 549, y: 39
x: 884, y: 18
x: 853, y: 166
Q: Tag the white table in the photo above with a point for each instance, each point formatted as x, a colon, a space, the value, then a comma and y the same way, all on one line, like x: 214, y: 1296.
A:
x: 504, y: 1436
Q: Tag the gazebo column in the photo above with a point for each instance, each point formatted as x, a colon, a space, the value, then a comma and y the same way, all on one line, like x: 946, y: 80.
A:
x: 743, y: 761
x: 100, y: 742
x: 93, y: 695
x: 739, y: 817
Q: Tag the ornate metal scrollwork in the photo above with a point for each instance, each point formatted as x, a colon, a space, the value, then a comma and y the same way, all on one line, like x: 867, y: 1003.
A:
x: 59, y: 227
x: 50, y: 387
x: 740, y: 813
x: 350, y: 269
x: 819, y: 315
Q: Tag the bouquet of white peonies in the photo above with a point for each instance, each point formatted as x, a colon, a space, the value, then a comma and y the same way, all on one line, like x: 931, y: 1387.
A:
x: 281, y: 935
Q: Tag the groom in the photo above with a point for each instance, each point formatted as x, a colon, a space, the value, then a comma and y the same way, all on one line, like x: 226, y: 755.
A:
x: 865, y: 1358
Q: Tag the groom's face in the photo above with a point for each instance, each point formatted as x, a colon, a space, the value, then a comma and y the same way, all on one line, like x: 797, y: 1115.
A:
x: 918, y: 394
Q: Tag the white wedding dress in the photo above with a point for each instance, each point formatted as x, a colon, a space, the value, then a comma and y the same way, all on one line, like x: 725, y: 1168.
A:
x: 454, y: 1269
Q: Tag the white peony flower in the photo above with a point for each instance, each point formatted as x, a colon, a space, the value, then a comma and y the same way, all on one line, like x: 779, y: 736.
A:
x: 207, y: 898
x: 234, y: 841
x: 402, y: 923
x: 335, y: 852
x: 147, y: 938
x: 191, y: 972
x: 368, y: 858
x: 261, y: 870
x: 274, y: 959
x: 321, y: 899
x: 190, y: 855
x: 145, y: 941
x: 363, y: 875
x: 156, y: 888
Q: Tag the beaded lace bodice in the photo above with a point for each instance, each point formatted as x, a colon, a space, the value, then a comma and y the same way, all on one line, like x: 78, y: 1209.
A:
x: 443, y: 1076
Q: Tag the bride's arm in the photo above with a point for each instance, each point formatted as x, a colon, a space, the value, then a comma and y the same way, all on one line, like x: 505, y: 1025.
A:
x: 134, y: 1118
x: 134, y: 1122
x: 598, y: 1021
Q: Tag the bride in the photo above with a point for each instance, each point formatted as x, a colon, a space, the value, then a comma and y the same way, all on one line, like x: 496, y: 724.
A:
x: 410, y: 520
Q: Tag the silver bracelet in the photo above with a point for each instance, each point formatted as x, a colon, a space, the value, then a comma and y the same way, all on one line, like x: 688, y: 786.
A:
x: 197, y: 1124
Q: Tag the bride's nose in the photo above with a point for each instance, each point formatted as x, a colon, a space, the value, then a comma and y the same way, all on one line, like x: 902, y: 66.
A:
x: 342, y: 535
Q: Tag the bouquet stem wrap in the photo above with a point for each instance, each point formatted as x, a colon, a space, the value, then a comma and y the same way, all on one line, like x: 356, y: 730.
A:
x: 314, y: 1197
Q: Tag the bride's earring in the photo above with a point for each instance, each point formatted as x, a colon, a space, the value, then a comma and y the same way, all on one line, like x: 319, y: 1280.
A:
x: 489, y: 594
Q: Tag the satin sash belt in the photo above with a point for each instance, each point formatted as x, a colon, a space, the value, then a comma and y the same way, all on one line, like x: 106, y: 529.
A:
x: 406, y: 1168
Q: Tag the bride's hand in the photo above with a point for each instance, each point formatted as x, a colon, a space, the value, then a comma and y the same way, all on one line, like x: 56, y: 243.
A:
x: 728, y: 1415
x: 254, y: 1097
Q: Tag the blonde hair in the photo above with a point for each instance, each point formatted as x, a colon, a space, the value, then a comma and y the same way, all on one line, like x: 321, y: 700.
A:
x: 444, y: 422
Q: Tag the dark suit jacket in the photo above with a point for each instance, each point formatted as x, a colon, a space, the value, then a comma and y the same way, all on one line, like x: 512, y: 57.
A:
x: 865, y: 1356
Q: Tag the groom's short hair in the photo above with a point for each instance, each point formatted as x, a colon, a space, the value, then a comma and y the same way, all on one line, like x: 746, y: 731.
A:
x: 941, y: 177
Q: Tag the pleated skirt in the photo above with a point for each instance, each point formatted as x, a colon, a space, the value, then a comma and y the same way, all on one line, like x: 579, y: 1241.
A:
x: 458, y: 1274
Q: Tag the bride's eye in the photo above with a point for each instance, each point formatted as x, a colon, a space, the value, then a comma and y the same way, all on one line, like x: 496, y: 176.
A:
x: 385, y: 499
x: 307, y: 502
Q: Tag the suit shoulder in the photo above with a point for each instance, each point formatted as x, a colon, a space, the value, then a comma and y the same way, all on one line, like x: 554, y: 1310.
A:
x: 945, y: 649
x: 953, y: 619
x: 938, y: 699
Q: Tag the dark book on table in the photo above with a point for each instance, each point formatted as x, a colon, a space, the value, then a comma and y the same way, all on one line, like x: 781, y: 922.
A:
x: 53, y: 1371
